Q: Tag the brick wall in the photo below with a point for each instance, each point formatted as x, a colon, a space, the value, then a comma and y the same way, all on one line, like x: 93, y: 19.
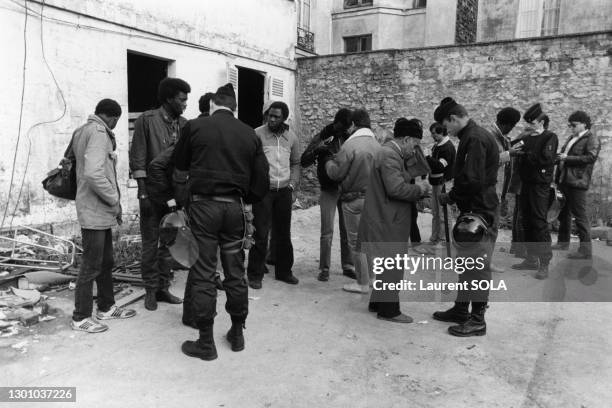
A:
x: 563, y: 73
x: 467, y: 20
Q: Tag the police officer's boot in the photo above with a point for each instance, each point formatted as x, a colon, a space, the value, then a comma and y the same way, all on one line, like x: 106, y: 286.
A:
x: 456, y: 314
x: 235, y: 335
x: 150, y: 301
x: 204, y: 347
x: 475, y: 326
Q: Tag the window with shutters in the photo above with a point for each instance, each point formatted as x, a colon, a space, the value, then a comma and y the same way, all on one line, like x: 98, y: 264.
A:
x: 278, y: 88
x: 358, y: 43
x: 538, y: 17
x: 550, y: 19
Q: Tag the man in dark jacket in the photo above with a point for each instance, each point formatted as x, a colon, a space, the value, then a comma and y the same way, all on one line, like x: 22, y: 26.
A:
x: 227, y: 167
x: 536, y: 166
x: 473, y: 191
x: 154, y: 131
x: 322, y: 147
x: 441, y: 161
x: 574, y: 169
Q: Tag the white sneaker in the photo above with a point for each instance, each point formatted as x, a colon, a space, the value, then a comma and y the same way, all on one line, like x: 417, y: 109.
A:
x: 115, y: 313
x: 88, y: 325
x: 354, y: 287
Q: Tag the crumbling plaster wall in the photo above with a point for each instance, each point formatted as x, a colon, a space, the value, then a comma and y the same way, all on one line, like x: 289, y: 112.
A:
x: 91, y: 64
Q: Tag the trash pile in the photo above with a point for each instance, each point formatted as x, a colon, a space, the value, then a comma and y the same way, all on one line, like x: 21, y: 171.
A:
x: 20, y: 308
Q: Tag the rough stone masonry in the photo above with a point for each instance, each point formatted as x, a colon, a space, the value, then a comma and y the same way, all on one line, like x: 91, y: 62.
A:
x: 564, y: 73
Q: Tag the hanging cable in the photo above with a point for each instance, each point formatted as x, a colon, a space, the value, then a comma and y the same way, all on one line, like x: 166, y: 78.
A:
x: 59, y: 89
x: 23, y: 79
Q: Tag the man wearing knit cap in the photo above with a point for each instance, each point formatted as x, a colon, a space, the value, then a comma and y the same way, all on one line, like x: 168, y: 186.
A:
x: 386, y: 220
x: 574, y: 169
x: 227, y: 168
x: 536, y: 166
x: 473, y: 191
x: 505, y: 121
x: 154, y: 131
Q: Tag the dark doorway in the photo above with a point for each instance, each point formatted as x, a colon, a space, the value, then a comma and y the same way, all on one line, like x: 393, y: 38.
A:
x: 250, y: 96
x: 144, y: 75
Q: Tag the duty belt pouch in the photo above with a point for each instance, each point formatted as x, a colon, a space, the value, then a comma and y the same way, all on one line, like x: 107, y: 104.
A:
x: 249, y: 229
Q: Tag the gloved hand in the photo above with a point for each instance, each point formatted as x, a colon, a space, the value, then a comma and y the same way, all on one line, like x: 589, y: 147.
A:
x: 172, y: 205
x: 445, y: 199
x: 146, y: 206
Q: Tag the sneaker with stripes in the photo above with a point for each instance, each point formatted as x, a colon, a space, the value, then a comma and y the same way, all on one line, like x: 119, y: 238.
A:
x: 115, y: 312
x: 88, y: 325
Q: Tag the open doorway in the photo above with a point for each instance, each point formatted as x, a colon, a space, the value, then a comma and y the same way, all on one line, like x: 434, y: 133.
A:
x: 144, y: 75
x: 250, y: 96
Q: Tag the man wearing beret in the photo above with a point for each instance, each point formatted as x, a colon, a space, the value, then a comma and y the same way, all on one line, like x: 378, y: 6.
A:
x: 505, y: 121
x: 473, y: 191
x: 536, y: 166
x: 227, y: 168
x: 574, y: 169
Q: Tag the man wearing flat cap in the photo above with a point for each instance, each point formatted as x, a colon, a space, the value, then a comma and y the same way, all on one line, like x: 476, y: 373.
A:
x: 227, y: 168
x: 473, y: 191
x: 536, y: 165
x: 573, y: 177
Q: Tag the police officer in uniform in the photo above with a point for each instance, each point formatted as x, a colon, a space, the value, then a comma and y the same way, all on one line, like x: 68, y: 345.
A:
x: 227, y: 168
x: 536, y: 165
x: 475, y: 176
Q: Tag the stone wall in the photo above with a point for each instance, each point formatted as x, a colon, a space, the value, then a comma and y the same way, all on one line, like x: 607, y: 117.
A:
x: 467, y: 19
x: 563, y: 73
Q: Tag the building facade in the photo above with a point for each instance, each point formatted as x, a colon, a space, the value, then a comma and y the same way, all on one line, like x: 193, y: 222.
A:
x: 510, y: 19
x: 364, y: 25
x: 68, y: 54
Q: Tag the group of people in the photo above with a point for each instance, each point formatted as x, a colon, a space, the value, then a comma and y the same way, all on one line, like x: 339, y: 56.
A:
x: 225, y: 173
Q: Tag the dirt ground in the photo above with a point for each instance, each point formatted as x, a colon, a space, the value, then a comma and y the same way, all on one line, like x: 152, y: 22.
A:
x: 313, y: 345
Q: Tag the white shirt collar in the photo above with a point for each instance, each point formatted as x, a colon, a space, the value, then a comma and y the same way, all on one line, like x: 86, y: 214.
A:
x: 362, y: 132
x: 444, y: 140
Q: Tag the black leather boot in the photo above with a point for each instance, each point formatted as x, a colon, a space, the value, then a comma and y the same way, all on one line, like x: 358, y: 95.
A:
x: 164, y: 295
x: 456, y: 314
x: 475, y: 326
x: 235, y: 335
x: 204, y: 347
x: 150, y: 301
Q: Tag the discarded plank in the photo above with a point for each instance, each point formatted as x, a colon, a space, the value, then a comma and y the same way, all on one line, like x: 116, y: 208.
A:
x: 132, y: 297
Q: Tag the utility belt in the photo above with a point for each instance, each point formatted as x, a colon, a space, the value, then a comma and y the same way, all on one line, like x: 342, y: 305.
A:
x: 218, y: 198
x: 247, y: 240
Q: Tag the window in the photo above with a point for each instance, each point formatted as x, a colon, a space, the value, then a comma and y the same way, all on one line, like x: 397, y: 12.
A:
x: 419, y: 4
x: 358, y: 43
x: 537, y: 17
x: 550, y: 20
x: 357, y: 3
x: 303, y: 9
